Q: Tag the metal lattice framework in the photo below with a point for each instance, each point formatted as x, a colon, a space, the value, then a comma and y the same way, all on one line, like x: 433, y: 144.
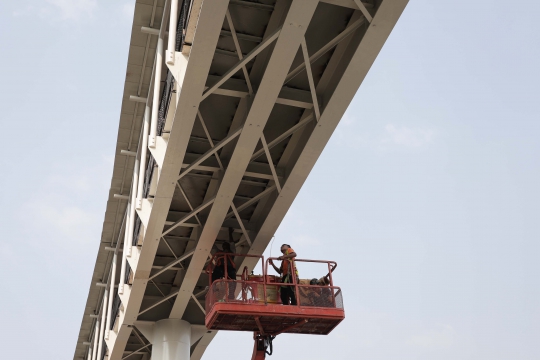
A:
x: 220, y: 131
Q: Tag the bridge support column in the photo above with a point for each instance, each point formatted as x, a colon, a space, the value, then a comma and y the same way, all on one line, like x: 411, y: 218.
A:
x: 171, y: 340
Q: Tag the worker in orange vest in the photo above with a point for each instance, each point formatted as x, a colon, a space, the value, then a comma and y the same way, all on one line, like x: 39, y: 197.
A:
x: 287, y: 268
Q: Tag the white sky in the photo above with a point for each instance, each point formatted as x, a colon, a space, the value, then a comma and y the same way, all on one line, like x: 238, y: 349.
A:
x: 435, y: 228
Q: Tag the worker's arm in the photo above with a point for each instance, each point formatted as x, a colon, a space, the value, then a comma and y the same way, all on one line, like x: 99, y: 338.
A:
x: 327, y: 276
x: 231, y: 238
x: 232, y: 244
x: 275, y: 267
x: 290, y: 256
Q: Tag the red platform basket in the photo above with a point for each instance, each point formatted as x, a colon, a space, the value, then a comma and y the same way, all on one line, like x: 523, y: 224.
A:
x: 253, y: 304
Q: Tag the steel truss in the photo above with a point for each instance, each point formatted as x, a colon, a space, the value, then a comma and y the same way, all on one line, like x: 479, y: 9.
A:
x: 249, y: 174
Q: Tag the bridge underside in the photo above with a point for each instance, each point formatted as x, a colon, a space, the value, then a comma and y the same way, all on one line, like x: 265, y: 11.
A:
x: 222, y: 138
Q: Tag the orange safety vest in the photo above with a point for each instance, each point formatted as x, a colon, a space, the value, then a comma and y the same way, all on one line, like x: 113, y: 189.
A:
x: 286, y: 265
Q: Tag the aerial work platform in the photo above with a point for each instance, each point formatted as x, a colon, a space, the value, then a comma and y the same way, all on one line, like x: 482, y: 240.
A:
x: 252, y: 303
x: 273, y: 319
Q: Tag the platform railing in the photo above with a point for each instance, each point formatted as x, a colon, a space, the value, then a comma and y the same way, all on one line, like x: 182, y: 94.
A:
x: 320, y: 296
x: 241, y: 288
x: 331, y: 265
x: 255, y: 293
x: 235, y: 292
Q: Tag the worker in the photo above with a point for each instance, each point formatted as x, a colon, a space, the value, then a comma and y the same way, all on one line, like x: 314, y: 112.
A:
x: 325, y: 293
x: 287, y: 268
x: 219, y: 269
x: 327, y: 299
x: 324, y: 281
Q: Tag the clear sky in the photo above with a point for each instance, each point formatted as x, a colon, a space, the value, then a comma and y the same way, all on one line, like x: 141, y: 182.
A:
x: 427, y: 195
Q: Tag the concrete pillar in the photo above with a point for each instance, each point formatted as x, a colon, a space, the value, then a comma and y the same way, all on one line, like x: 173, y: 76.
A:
x: 171, y: 340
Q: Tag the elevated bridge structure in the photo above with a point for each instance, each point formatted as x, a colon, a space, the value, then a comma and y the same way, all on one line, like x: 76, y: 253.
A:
x: 227, y: 106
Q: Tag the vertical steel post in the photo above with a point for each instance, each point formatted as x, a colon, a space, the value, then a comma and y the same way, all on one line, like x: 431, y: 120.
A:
x: 96, y: 336
x: 124, y: 255
x: 293, y: 264
x: 102, y: 323
x: 225, y: 259
x: 144, y: 150
x: 111, y: 294
x: 132, y: 201
x: 172, y: 32
x: 157, y: 86
x: 331, y: 285
x: 263, y: 265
